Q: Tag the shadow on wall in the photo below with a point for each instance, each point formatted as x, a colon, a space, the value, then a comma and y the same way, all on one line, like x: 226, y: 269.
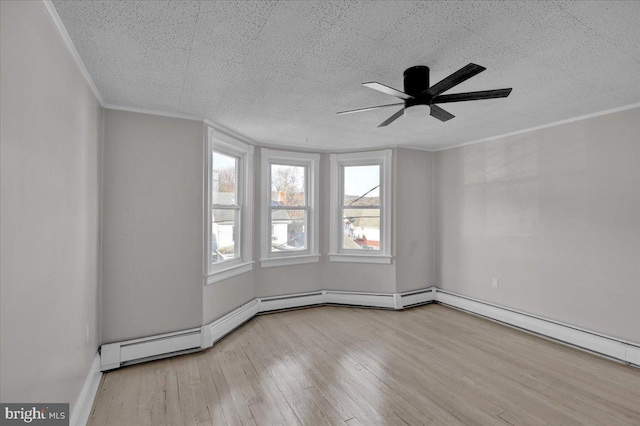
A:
x: 501, y: 190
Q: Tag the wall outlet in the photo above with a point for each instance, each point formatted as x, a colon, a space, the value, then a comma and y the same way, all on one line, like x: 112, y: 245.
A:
x: 86, y: 333
x: 495, y: 283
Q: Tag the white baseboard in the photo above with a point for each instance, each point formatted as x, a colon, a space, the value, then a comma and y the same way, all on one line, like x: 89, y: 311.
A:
x: 594, y: 342
x: 371, y: 300
x: 215, y: 331
x: 82, y: 407
x: 114, y: 355
x: 290, y: 301
x: 417, y: 297
x: 117, y: 354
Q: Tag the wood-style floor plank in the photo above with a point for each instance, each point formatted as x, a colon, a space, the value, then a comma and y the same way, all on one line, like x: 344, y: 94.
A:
x: 430, y: 365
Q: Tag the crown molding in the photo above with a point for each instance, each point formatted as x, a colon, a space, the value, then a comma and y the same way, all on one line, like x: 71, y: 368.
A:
x: 543, y: 126
x: 152, y: 112
x: 72, y: 49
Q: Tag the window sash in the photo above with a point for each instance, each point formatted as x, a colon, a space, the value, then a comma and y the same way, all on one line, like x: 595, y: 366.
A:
x: 304, y: 207
x: 236, y: 174
x: 307, y: 249
x: 305, y: 177
x: 237, y: 236
x: 238, y: 248
x: 344, y: 207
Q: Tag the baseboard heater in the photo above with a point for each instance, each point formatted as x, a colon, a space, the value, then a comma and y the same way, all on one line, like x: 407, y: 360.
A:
x: 369, y: 300
x: 115, y: 355
x: 291, y: 301
x: 621, y: 350
x: 418, y: 297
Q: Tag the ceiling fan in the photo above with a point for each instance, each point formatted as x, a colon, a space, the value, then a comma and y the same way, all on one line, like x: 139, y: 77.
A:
x: 418, y: 95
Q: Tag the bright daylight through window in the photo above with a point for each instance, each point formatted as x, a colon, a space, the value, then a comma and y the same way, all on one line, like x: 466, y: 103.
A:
x: 289, y: 208
x: 227, y: 207
x: 225, y: 210
x: 361, y: 207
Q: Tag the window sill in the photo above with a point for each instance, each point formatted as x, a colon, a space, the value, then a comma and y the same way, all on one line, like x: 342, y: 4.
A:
x: 360, y: 258
x: 289, y: 260
x: 229, y: 272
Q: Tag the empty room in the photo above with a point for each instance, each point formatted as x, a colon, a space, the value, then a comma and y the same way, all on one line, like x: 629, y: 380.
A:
x: 320, y: 213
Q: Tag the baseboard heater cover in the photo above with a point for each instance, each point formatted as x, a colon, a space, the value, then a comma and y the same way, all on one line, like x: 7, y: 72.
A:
x: 418, y: 297
x: 115, y: 355
x: 376, y: 300
x: 290, y: 301
x: 215, y: 331
x: 611, y: 347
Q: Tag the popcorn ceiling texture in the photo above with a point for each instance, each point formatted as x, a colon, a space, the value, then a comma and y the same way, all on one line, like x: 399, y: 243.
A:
x: 278, y: 71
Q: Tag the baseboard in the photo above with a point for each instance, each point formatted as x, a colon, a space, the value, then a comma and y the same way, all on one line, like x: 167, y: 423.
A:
x: 215, y: 331
x: 118, y: 354
x: 417, y: 297
x: 115, y: 355
x: 82, y: 407
x: 369, y: 300
x: 612, y: 347
x: 290, y: 301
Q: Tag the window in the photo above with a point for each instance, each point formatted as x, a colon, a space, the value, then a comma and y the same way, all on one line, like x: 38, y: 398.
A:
x: 289, y: 208
x: 361, y: 207
x: 227, y: 207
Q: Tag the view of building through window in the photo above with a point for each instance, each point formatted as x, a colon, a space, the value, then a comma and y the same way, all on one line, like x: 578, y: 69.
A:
x: 361, y: 207
x: 225, y: 212
x: 289, y: 208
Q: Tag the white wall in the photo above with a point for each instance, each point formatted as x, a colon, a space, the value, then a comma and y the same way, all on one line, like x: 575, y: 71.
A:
x: 153, y: 215
x: 554, y: 214
x: 50, y: 144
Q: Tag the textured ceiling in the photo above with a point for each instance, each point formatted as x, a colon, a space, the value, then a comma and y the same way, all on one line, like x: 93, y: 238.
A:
x: 276, y: 72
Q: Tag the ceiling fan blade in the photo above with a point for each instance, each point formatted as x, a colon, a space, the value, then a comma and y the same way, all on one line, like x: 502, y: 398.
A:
x: 369, y: 109
x: 472, y: 96
x: 440, y: 114
x: 392, y: 118
x: 386, y: 89
x: 454, y: 79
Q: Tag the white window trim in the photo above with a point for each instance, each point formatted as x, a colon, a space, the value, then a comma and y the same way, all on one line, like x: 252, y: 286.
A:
x: 336, y: 254
x: 217, y: 141
x: 312, y: 162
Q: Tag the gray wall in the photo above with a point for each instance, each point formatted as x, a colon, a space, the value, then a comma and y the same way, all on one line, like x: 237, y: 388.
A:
x: 152, y: 226
x: 363, y: 277
x: 50, y: 143
x: 294, y: 278
x: 555, y: 215
x: 414, y: 219
x: 224, y: 296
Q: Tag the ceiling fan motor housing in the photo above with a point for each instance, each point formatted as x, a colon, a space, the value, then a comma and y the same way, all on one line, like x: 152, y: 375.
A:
x: 416, y: 81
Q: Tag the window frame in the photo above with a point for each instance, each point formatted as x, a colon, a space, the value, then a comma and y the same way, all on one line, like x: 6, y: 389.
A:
x: 312, y: 190
x: 382, y: 158
x: 243, y: 152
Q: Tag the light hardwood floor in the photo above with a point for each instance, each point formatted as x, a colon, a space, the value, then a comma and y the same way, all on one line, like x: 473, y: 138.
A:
x: 430, y: 365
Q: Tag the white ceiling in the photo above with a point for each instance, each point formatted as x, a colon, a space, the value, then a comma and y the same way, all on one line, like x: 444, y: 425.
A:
x: 276, y: 72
